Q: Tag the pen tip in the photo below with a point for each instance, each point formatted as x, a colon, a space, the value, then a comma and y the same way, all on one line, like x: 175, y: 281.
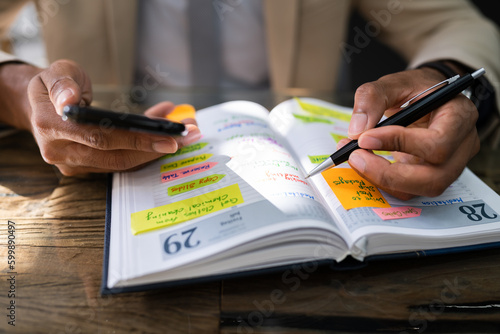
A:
x: 307, y: 176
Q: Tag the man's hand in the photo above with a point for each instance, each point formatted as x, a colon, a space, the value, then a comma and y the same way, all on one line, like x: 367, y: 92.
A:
x: 77, y: 149
x: 430, y: 154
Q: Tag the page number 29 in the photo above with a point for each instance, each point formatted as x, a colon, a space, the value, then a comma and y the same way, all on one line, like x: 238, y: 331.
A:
x: 172, y: 244
x: 476, y: 215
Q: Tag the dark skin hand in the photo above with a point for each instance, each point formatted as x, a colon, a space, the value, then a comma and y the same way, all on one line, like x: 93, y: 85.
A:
x: 40, y: 95
x: 430, y: 154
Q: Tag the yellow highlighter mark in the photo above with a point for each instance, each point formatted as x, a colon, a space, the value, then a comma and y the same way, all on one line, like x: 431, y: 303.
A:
x: 181, y: 211
x: 181, y: 112
x: 337, y: 137
x: 185, y: 162
x: 195, y: 184
x: 352, y: 190
x: 323, y: 111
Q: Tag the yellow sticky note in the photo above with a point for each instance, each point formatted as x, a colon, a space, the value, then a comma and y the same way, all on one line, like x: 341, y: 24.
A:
x: 181, y: 112
x: 352, y: 190
x: 181, y: 211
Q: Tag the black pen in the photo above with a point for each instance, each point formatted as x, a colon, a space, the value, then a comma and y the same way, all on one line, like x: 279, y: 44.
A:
x: 132, y: 122
x: 407, y: 115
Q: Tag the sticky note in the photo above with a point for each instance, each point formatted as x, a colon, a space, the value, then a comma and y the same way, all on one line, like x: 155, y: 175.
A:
x: 195, y: 184
x: 181, y: 112
x: 181, y: 211
x: 187, y: 171
x: 185, y: 162
x: 398, y: 213
x: 352, y: 190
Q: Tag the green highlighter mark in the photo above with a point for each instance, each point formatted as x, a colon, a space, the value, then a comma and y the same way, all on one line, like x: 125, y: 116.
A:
x: 317, y: 159
x: 186, y: 149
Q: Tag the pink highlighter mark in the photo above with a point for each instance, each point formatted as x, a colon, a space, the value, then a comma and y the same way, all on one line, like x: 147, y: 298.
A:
x: 398, y: 213
x: 183, y: 172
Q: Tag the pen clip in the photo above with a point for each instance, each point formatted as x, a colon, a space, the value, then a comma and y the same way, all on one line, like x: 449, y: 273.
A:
x: 447, y: 81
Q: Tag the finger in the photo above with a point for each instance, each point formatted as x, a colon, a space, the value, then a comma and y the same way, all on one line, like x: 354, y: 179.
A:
x: 342, y: 143
x: 447, y: 130
x: 66, y: 83
x: 74, y: 158
x: 161, y: 109
x: 404, y: 180
x: 371, y: 100
x: 109, y: 138
x: 384, y: 96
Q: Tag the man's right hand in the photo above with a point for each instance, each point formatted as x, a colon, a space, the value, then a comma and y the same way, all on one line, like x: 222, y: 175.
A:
x: 77, y: 149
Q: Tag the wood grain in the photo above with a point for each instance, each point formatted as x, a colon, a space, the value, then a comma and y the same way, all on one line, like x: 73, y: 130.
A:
x: 59, y: 248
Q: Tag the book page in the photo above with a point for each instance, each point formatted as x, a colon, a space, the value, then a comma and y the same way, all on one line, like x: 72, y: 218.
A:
x: 236, y: 187
x: 467, y: 209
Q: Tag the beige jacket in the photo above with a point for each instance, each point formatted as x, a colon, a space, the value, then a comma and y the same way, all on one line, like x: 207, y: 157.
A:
x: 305, y: 37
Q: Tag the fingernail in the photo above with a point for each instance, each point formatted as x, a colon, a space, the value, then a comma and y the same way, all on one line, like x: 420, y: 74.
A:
x: 358, y: 123
x: 62, y: 99
x: 191, y: 137
x: 357, y: 162
x: 370, y: 143
x: 165, y: 146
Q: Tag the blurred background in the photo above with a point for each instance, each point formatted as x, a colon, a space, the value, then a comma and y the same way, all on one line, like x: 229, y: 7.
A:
x: 26, y: 42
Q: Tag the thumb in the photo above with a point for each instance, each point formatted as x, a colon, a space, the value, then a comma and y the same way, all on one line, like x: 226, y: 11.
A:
x: 66, y: 83
x: 65, y: 96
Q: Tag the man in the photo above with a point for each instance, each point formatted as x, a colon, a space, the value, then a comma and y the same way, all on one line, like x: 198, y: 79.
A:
x: 304, y: 44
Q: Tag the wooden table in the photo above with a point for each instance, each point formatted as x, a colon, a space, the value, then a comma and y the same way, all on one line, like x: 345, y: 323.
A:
x: 59, y: 233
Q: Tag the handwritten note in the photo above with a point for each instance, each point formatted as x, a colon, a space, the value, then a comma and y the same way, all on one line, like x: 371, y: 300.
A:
x: 185, y: 162
x: 181, y: 211
x: 188, y: 171
x: 195, y: 184
x: 352, y: 190
x: 322, y: 111
x: 398, y: 213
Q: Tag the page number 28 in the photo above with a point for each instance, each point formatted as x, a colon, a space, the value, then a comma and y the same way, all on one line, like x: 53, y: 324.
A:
x: 476, y: 215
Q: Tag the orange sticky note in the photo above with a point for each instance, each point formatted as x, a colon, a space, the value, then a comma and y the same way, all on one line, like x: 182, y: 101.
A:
x: 352, y: 190
x: 181, y: 112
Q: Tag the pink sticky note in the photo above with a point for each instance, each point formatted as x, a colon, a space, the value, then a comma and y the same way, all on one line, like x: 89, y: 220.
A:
x: 187, y: 171
x: 398, y: 213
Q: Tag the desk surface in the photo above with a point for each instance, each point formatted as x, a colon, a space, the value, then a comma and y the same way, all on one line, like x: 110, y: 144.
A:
x: 59, y: 234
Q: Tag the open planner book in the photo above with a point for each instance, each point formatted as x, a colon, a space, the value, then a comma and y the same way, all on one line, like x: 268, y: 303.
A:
x: 237, y: 201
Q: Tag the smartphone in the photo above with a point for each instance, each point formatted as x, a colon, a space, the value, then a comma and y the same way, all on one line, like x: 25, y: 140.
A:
x: 132, y: 122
